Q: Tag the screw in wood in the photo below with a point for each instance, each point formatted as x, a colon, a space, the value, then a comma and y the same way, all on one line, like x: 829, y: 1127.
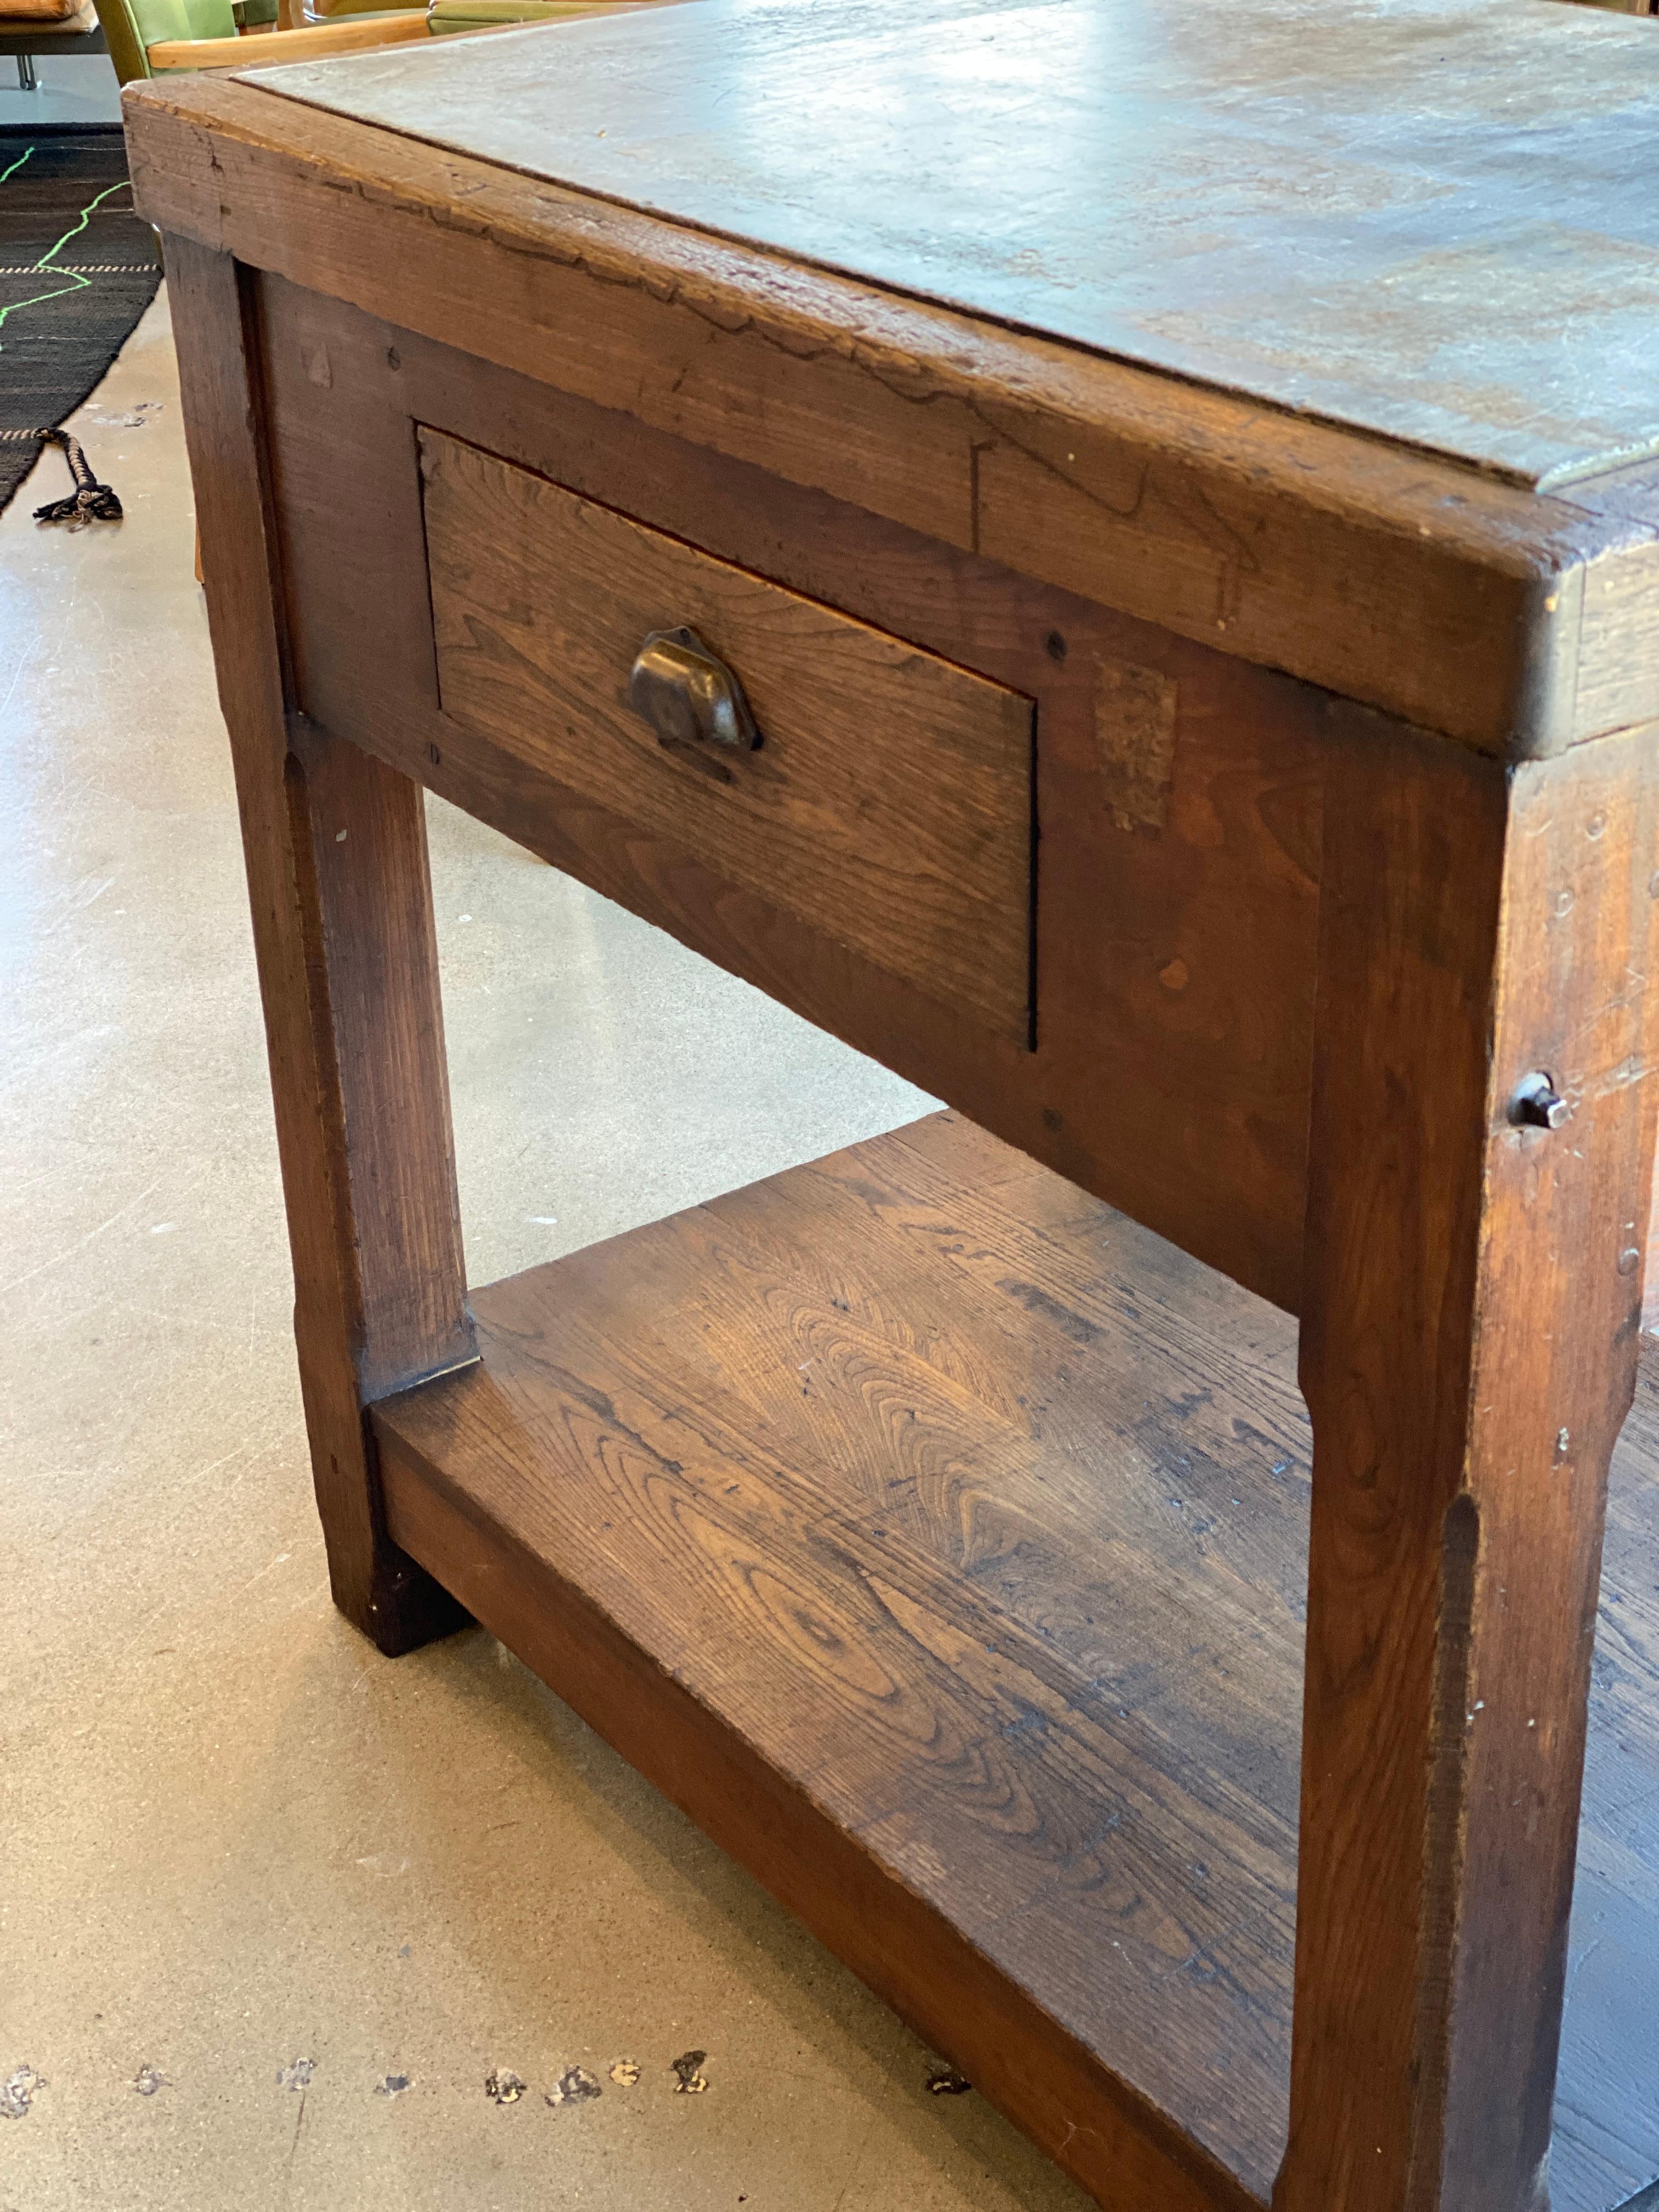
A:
x: 1537, y: 1104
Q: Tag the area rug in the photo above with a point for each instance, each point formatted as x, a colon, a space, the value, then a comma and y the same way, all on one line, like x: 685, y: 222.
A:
x: 78, y: 268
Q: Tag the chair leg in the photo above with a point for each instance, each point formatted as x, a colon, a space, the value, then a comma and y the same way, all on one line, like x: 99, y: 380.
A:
x: 27, y: 80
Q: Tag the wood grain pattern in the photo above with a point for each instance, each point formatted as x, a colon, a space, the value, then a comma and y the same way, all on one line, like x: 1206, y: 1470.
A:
x: 906, y: 1951
x: 1469, y: 1351
x: 936, y: 1538
x: 336, y: 850
x: 890, y: 803
x: 1179, y: 952
x: 1417, y: 586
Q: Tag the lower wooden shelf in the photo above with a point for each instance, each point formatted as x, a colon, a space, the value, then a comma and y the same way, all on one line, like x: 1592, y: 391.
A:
x: 937, y: 1538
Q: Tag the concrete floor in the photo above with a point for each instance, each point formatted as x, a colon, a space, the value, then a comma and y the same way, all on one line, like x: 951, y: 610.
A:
x: 251, y: 1874
x: 69, y: 89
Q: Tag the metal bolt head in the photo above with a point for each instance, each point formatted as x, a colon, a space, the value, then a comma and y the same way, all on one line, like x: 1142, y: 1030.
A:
x: 1537, y: 1104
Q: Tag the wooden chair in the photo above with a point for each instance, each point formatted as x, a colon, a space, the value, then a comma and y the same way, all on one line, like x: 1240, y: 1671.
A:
x: 158, y: 37
x: 446, y: 16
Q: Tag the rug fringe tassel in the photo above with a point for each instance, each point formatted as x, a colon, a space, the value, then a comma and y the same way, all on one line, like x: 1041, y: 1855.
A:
x: 91, y: 501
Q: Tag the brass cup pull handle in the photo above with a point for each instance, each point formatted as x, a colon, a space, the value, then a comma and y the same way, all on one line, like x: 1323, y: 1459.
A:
x: 687, y: 694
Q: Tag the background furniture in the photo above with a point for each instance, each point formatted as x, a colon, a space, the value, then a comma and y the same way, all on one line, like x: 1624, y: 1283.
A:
x: 446, y: 16
x: 1203, y: 645
x: 33, y: 38
x: 158, y: 37
x: 150, y: 28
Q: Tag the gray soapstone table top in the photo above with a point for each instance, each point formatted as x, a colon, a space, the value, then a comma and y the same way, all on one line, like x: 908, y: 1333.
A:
x: 1436, y: 219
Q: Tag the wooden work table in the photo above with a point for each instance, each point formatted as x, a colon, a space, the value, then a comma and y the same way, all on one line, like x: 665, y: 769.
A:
x: 1109, y: 556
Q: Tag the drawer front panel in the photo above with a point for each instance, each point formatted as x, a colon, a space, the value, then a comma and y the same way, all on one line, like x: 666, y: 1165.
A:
x: 889, y: 804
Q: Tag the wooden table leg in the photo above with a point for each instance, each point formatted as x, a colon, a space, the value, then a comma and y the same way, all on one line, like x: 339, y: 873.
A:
x: 1469, y: 1349
x: 336, y: 862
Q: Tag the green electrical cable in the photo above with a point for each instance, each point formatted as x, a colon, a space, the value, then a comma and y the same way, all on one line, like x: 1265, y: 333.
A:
x: 78, y: 284
x: 80, y: 224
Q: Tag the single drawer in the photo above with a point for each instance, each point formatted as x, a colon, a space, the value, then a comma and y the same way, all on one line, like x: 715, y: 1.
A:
x: 888, y: 803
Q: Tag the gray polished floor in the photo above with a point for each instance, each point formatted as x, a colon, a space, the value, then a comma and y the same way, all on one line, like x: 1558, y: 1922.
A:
x: 253, y: 1877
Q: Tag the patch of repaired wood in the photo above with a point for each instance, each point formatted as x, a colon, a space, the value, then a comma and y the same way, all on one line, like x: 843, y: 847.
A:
x: 1134, y: 740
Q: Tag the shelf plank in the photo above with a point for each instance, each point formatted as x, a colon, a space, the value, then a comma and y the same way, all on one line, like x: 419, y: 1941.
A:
x: 936, y: 1537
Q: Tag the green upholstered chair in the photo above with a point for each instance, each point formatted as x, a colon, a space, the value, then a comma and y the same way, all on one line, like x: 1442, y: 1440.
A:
x: 446, y: 15
x: 155, y: 38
